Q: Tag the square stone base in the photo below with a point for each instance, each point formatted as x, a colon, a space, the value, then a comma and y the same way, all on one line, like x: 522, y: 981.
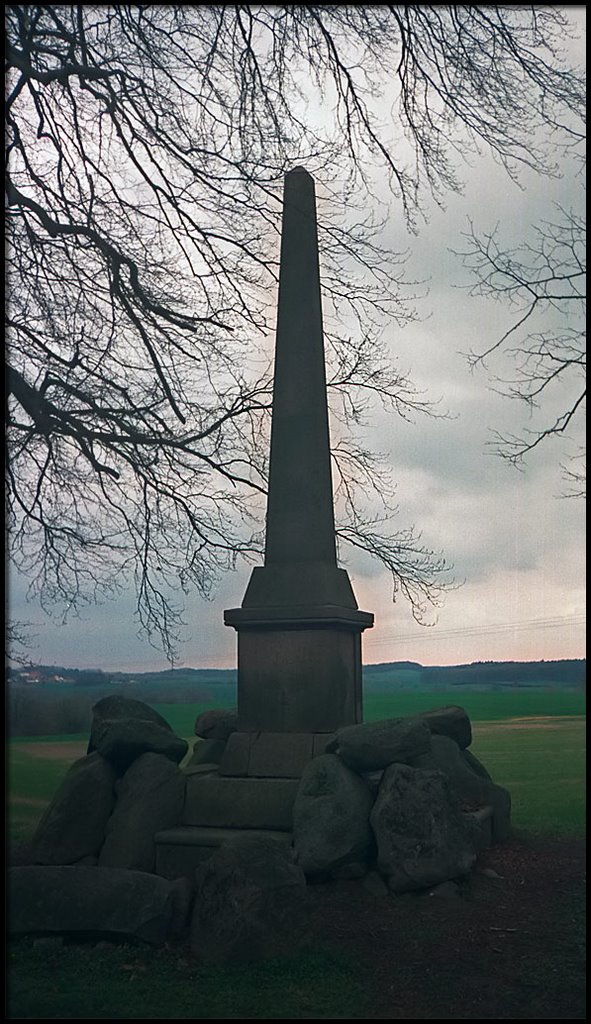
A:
x: 298, y: 680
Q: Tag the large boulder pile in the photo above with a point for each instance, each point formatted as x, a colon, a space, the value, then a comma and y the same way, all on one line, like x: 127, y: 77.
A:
x: 401, y: 803
x: 93, y: 851
x: 404, y: 797
x: 114, y: 800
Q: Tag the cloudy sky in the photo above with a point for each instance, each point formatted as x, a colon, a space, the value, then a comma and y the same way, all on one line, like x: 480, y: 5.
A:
x: 517, y: 547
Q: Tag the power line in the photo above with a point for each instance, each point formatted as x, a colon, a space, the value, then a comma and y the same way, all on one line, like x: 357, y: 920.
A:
x: 492, y: 629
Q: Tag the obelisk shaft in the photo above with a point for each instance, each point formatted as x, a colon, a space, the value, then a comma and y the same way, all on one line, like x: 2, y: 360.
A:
x: 299, y: 627
x: 300, y: 519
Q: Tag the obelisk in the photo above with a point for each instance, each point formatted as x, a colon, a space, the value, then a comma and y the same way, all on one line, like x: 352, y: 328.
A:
x: 299, y: 627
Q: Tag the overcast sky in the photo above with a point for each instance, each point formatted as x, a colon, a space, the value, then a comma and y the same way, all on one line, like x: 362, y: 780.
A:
x: 516, y: 546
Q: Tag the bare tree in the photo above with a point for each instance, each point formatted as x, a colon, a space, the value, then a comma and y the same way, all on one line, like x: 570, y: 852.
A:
x: 146, y: 149
x: 19, y: 638
x: 544, y: 282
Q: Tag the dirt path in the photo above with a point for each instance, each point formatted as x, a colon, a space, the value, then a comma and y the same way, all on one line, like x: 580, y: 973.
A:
x: 61, y: 751
x: 535, y: 722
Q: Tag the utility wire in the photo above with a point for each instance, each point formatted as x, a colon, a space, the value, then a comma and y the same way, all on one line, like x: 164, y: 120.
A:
x: 527, y: 625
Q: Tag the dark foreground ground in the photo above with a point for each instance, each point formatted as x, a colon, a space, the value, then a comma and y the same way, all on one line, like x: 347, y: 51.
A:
x: 508, y: 945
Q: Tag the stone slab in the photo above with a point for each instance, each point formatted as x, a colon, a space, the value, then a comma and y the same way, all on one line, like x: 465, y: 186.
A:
x: 180, y: 851
x: 280, y: 755
x: 320, y: 741
x: 237, y: 754
x: 272, y: 754
x: 224, y: 802
x: 200, y: 769
x: 91, y: 899
x: 198, y: 835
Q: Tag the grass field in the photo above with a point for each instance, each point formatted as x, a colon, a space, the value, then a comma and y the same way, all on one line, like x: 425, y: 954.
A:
x: 532, y: 742
x: 161, y: 984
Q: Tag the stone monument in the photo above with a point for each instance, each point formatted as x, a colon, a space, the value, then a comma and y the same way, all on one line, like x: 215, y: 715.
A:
x: 403, y: 799
x: 299, y: 627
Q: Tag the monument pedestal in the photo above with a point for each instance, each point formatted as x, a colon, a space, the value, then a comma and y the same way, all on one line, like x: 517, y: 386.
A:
x: 299, y: 681
x: 299, y: 674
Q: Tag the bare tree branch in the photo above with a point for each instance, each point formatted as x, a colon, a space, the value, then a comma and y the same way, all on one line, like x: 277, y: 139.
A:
x: 544, y: 282
x: 146, y: 151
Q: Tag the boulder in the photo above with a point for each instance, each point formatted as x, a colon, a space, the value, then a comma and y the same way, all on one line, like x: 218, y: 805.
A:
x: 472, y: 761
x: 449, y: 721
x: 331, y: 827
x: 92, y: 899
x: 422, y: 836
x: 122, y: 741
x: 73, y: 826
x: 250, y: 902
x: 217, y: 724
x: 151, y: 797
x: 374, y: 745
x: 472, y: 788
x: 125, y: 709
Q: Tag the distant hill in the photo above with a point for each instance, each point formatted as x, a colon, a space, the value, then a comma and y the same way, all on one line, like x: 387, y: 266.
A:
x: 568, y: 674
x: 191, y: 684
x: 54, y: 700
x: 389, y: 666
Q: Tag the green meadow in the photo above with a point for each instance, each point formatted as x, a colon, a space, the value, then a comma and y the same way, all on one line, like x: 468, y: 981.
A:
x: 532, y: 742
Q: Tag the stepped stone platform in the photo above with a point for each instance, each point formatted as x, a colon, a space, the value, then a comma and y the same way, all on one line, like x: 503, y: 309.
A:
x: 218, y: 807
x: 179, y: 851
